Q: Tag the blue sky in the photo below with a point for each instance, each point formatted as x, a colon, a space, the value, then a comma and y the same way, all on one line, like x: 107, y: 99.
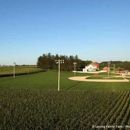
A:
x: 97, y: 30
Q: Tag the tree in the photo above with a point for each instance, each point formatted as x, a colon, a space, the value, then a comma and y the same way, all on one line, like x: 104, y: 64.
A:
x: 126, y: 65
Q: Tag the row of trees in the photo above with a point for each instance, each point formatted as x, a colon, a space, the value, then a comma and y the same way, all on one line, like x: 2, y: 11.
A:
x: 48, y: 61
x: 117, y: 65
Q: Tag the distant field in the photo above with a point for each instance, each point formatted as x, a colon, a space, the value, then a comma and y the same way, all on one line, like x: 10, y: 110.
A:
x: 18, y: 69
x: 48, y: 81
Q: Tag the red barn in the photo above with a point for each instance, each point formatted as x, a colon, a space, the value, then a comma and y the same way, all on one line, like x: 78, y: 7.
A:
x: 96, y: 64
x: 106, y: 69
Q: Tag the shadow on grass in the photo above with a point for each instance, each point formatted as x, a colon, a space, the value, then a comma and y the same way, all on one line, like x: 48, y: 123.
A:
x: 73, y: 85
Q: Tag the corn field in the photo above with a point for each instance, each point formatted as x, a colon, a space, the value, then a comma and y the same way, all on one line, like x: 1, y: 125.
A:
x: 35, y: 109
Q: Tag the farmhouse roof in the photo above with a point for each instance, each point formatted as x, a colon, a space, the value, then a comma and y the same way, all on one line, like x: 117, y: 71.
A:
x: 95, y: 64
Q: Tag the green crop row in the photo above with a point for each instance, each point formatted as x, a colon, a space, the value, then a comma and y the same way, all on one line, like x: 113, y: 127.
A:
x: 37, y: 109
x: 19, y: 70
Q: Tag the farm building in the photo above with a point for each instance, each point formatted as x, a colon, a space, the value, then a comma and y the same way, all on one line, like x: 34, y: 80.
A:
x: 91, y: 67
x: 106, y: 69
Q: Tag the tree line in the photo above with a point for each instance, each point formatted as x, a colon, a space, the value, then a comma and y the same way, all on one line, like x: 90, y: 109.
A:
x: 48, y: 61
x: 116, y: 65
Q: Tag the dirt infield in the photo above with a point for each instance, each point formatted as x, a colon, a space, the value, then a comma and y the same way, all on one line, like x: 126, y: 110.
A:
x: 84, y: 78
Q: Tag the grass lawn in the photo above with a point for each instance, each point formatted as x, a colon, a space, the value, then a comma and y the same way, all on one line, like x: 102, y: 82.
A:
x: 48, y: 81
x: 105, y: 77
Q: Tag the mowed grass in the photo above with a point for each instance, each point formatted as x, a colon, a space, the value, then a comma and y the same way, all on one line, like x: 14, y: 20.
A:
x: 48, y: 81
x: 104, y: 77
x: 18, y: 69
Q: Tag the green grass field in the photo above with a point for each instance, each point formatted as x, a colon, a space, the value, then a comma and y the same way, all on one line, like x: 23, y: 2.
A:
x: 48, y: 81
x: 104, y: 77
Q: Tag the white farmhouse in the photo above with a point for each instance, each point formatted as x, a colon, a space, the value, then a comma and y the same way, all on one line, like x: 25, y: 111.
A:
x: 91, y: 67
